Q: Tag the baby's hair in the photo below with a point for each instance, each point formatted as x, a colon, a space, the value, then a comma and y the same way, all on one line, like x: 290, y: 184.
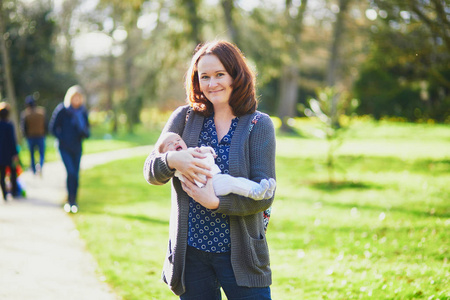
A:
x: 160, y: 143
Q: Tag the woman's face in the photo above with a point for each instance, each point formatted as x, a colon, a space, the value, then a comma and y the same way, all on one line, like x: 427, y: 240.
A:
x: 215, y: 82
x: 76, y: 101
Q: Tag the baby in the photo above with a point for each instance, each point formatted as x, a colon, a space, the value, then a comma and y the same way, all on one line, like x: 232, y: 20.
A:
x: 223, y: 184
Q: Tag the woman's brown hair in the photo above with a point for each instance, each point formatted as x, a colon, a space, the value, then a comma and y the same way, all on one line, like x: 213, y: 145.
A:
x: 243, y: 97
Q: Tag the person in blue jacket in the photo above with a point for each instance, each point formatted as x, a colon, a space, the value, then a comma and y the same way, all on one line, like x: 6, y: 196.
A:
x: 8, y: 151
x: 70, y: 125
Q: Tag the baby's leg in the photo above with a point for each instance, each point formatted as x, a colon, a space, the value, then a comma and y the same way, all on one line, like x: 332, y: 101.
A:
x: 225, y: 184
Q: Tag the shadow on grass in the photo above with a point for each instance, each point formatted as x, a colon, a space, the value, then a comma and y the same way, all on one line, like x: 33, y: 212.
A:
x: 140, y: 218
x: 342, y: 185
x: 437, y: 211
x: 442, y: 212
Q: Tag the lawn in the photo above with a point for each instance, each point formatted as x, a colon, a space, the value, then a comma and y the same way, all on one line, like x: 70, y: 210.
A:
x: 381, y: 232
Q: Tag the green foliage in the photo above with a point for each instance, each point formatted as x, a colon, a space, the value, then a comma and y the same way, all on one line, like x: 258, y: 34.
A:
x: 406, y: 73
x: 32, y: 50
x: 381, y: 234
x: 382, y: 94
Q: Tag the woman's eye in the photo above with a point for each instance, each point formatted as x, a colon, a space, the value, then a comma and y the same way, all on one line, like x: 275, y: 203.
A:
x: 204, y: 77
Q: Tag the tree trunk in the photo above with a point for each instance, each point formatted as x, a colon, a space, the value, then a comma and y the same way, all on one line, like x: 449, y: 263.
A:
x: 194, y: 20
x: 110, y: 93
x: 67, y: 60
x: 129, y: 84
x: 11, y: 95
x: 334, y: 62
x: 132, y: 41
x: 228, y: 8
x: 289, y: 94
x: 289, y: 79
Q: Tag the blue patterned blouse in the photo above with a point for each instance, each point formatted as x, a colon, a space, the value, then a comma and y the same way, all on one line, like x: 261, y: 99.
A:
x: 208, y: 231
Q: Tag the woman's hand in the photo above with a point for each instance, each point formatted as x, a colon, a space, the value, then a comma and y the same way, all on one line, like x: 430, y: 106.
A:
x: 190, y: 163
x: 205, y: 195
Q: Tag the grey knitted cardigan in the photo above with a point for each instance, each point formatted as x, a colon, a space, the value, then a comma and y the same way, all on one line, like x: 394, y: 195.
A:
x: 252, y: 155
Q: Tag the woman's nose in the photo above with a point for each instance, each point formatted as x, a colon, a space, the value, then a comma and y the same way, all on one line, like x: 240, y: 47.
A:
x: 212, y: 82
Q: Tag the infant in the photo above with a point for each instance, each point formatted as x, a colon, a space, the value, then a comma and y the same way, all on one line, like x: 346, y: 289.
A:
x: 223, y: 184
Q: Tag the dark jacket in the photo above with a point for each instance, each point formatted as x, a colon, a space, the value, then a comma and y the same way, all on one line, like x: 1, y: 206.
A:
x: 8, y: 145
x: 70, y: 127
x: 252, y: 155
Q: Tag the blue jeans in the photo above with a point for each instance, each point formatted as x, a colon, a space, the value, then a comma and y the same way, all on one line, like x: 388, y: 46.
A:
x: 206, y: 272
x: 33, y: 143
x: 72, y: 163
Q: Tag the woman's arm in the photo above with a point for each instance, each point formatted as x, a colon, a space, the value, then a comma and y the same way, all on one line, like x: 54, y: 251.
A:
x: 190, y: 163
x: 205, y: 195
x: 262, y: 146
x: 156, y: 169
x: 262, y: 166
x: 160, y: 167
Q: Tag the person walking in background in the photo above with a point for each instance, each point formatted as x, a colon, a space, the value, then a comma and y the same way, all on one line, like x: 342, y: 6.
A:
x: 70, y: 125
x: 33, y: 124
x: 8, y: 151
x: 217, y: 241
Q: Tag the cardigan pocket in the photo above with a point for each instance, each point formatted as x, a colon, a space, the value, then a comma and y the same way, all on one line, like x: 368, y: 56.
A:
x: 259, y: 252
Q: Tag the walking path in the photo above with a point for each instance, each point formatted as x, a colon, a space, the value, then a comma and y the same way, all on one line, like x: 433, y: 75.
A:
x: 41, y: 254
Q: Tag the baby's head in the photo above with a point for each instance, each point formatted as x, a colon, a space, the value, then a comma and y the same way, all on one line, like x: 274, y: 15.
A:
x: 170, y: 142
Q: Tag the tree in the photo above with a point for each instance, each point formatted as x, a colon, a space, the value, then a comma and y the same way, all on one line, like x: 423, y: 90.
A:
x: 290, y: 69
x: 415, y: 58
x: 192, y: 20
x: 338, y: 30
x: 228, y: 12
x: 334, y: 61
x: 7, y: 73
x: 65, y: 31
x: 333, y: 115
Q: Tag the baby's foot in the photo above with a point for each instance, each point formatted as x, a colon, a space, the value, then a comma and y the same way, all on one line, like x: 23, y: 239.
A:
x: 259, y: 192
x: 271, y: 189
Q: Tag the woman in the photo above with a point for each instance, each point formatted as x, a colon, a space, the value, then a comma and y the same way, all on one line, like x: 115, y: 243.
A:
x: 70, y: 125
x: 217, y: 241
x: 8, y: 151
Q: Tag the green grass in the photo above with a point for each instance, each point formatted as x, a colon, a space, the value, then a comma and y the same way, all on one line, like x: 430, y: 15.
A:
x: 381, y: 232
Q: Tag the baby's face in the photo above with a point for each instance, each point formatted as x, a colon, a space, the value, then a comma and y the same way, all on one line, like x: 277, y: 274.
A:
x: 174, y: 143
